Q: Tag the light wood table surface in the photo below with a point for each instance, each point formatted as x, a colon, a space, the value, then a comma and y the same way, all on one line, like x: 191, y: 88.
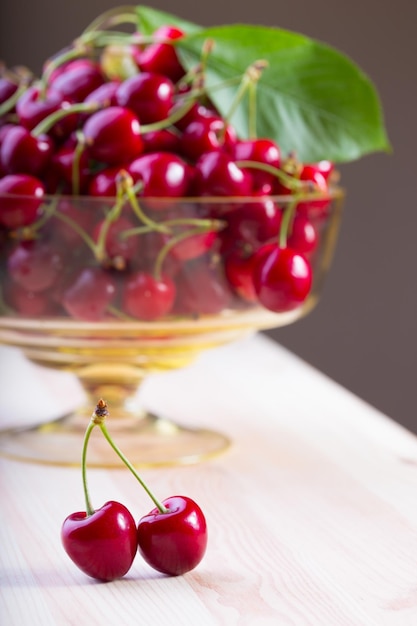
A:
x: 312, y: 512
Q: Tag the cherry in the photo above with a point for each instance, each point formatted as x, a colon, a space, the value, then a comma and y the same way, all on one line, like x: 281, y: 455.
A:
x: 32, y: 107
x: 104, y: 183
x: 303, y: 235
x: 112, y: 135
x: 201, y: 289
x: 23, y: 153
x: 28, y: 303
x: 67, y: 213
x: 7, y: 89
x: 205, y: 135
x: 238, y: 268
x: 193, y: 244
x: 216, y: 174
x: 174, y: 541
x: 89, y: 294
x: 162, y: 175
x: 161, y: 57
x: 34, y: 265
x: 262, y: 151
x: 282, y: 278
x: 77, y: 80
x: 148, y: 298
x: 104, y: 95
x: 23, y: 195
x: 150, y: 96
x: 251, y: 224
x: 197, y: 112
x: 162, y: 140
x: 73, y: 168
x: 103, y: 543
x: 319, y: 184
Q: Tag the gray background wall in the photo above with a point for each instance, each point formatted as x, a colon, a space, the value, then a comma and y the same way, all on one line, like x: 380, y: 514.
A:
x: 363, y: 333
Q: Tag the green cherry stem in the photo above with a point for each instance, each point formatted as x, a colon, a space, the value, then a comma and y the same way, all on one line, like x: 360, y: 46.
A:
x: 88, y: 506
x: 287, y: 218
x: 99, y: 419
x: 46, y: 124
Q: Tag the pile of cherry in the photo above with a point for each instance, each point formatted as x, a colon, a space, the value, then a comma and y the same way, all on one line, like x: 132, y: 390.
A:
x: 102, y: 186
x: 103, y: 543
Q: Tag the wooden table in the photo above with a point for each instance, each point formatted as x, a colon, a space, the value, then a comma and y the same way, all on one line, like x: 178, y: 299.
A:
x: 312, y: 512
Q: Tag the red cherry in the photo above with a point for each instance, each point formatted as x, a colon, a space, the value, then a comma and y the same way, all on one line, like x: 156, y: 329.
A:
x: 201, y: 289
x: 66, y: 163
x: 23, y: 197
x: 28, y: 303
x: 252, y: 223
x: 205, y: 135
x: 238, y: 269
x: 104, y: 544
x: 104, y: 183
x: 150, y: 96
x: 112, y: 135
x: 23, y: 153
x: 173, y: 542
x: 148, y: 298
x: 262, y: 151
x: 282, y: 278
x: 34, y: 265
x: 77, y: 80
x: 303, y: 235
x: 7, y: 89
x: 162, y: 174
x: 32, y: 107
x: 89, y: 294
x: 216, y: 174
x: 163, y: 140
x: 104, y: 95
x: 162, y: 57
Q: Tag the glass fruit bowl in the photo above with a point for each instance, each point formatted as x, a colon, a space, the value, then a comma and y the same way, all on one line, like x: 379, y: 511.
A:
x: 114, y: 289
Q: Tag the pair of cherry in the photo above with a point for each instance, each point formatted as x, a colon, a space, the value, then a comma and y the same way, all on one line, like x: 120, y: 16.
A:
x: 103, y: 543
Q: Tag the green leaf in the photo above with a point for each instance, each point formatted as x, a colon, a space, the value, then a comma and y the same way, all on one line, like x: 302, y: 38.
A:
x: 311, y: 98
x: 150, y: 19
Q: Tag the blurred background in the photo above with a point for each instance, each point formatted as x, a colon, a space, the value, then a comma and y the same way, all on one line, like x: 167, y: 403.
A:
x: 363, y: 333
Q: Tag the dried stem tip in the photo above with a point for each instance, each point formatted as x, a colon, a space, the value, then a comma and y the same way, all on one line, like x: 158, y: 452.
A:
x: 101, y: 412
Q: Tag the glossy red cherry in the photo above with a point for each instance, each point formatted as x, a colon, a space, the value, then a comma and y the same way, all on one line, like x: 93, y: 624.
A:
x: 161, y: 57
x: 303, y: 235
x: 103, y: 545
x: 162, y: 174
x: 7, y: 89
x: 238, y: 268
x: 216, y: 174
x: 77, y: 80
x: 163, y: 140
x: 23, y: 153
x: 23, y: 197
x: 150, y: 96
x: 261, y: 151
x: 113, y: 136
x: 32, y: 107
x: 173, y: 542
x: 252, y: 223
x: 282, y: 278
x: 148, y: 298
x: 205, y: 135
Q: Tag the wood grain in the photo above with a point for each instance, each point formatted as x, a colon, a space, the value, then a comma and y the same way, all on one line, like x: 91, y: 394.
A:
x: 312, y: 513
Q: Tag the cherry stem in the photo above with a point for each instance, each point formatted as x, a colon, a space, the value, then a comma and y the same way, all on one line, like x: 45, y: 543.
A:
x: 9, y: 104
x: 283, y: 177
x: 126, y: 182
x: 113, y: 17
x: 202, y: 226
x: 248, y: 82
x: 98, y: 418
x: 68, y: 55
x: 88, y: 506
x: 287, y: 218
x: 46, y: 124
